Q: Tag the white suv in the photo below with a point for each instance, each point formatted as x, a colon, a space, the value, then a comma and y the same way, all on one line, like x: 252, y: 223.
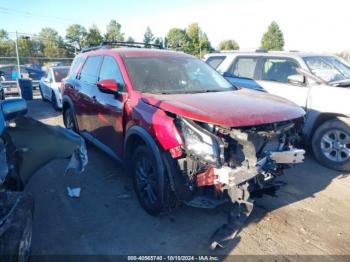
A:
x: 318, y: 83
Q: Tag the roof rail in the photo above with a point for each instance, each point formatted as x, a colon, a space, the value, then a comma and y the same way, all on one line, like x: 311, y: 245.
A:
x: 91, y: 48
x: 261, y: 50
x: 131, y: 44
x: 105, y: 44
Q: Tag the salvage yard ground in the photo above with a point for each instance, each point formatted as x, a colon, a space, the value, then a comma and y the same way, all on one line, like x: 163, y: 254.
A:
x: 310, y: 215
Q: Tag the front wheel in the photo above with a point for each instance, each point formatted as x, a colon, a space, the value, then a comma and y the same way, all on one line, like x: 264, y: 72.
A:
x: 152, y: 187
x: 16, y: 233
x: 54, y: 101
x: 69, y: 120
x: 331, y: 144
x: 2, y: 94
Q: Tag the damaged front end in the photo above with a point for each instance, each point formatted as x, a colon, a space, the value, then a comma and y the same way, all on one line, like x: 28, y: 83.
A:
x: 223, y: 164
x: 227, y: 158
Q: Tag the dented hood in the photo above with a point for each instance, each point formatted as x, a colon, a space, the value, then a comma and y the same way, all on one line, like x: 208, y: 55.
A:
x: 242, y: 107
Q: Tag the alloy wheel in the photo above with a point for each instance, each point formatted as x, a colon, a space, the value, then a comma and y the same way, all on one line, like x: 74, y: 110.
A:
x: 146, y: 180
x: 335, y: 145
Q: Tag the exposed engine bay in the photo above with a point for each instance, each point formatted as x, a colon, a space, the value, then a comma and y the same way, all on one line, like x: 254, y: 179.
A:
x: 225, y: 164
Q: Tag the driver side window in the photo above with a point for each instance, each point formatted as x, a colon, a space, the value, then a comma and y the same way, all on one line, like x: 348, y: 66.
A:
x: 279, y: 69
x: 49, y: 76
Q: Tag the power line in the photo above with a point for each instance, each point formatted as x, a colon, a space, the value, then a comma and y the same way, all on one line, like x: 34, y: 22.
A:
x: 9, y: 11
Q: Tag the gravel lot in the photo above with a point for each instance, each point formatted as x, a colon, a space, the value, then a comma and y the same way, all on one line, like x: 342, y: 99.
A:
x: 310, y: 216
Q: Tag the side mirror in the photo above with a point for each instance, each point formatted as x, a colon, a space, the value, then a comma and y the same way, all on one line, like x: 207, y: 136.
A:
x: 108, y: 86
x: 12, y: 108
x: 297, y: 80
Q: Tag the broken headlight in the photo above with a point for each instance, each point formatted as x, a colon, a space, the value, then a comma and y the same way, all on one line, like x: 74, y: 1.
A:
x: 199, y: 142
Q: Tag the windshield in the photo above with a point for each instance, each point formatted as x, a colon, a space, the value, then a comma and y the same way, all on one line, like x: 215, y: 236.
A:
x: 328, y: 68
x: 174, y: 75
x: 60, y: 73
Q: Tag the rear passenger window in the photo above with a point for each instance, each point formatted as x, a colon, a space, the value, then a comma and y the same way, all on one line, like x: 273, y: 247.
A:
x: 75, y: 67
x: 110, y: 70
x: 90, y: 70
x: 215, y: 61
x: 279, y: 69
x: 244, y: 67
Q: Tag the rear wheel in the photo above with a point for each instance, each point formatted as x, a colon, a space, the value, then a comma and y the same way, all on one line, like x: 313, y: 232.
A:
x: 54, y: 101
x: 152, y: 187
x: 331, y: 144
x: 42, y: 94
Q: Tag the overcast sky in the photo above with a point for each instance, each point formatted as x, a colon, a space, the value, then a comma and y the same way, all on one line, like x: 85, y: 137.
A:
x: 308, y: 25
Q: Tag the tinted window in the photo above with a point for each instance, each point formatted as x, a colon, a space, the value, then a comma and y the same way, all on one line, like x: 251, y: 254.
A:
x: 76, y: 66
x: 110, y: 70
x: 60, y: 73
x: 90, y: 70
x: 279, y: 69
x: 174, y: 75
x: 245, y: 67
x: 215, y: 61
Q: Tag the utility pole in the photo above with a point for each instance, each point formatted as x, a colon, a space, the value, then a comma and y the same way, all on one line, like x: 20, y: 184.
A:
x: 18, y: 66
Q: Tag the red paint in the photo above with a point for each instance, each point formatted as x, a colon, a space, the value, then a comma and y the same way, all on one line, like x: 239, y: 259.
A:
x: 176, y: 152
x: 234, y: 108
x: 207, y: 178
x: 108, y: 84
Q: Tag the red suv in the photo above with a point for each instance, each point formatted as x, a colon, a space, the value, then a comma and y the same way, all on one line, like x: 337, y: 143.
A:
x: 184, y: 133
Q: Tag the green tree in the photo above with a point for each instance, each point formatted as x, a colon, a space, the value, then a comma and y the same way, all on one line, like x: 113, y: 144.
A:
x: 114, y: 32
x: 75, y: 35
x: 273, y: 39
x: 148, y: 37
x: 159, y: 42
x: 177, y: 39
x: 130, y: 39
x: 198, y: 42
x: 228, y: 45
x: 7, y: 46
x: 93, y: 37
x: 52, y: 44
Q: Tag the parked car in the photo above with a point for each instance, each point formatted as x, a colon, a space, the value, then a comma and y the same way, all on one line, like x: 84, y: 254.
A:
x: 24, y: 148
x: 30, y: 71
x: 50, y: 85
x: 183, y: 132
x: 318, y: 83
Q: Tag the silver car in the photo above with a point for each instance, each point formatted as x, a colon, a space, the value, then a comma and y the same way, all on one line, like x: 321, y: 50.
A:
x: 50, y: 85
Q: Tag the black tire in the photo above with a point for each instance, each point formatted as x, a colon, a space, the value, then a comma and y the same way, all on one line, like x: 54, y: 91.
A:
x: 330, y: 144
x: 152, y: 187
x: 15, y: 241
x: 69, y: 119
x: 54, y: 101
x: 41, y: 93
x: 2, y: 94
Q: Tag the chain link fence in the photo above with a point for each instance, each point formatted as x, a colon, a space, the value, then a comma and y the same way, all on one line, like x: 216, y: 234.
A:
x: 33, y: 68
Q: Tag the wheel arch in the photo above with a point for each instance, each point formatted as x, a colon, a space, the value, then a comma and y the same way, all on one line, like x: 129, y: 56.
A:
x: 137, y: 135
x: 316, y: 119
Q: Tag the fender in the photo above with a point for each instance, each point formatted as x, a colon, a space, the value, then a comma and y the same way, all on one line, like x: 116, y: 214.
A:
x: 149, y: 141
x: 315, y: 118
